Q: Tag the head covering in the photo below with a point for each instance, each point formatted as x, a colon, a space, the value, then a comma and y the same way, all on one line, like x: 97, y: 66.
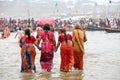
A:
x: 63, y: 30
x: 77, y: 26
x: 38, y: 29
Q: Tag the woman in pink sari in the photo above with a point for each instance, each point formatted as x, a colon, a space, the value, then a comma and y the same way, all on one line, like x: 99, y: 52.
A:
x: 47, y: 41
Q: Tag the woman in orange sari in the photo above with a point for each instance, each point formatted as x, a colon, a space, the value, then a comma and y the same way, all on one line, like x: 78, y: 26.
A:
x: 66, y: 51
x: 28, y: 52
x: 6, y: 31
x: 79, y: 37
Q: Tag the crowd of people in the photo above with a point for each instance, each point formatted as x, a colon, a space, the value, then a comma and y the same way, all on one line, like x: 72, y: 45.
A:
x: 69, y: 23
x: 104, y: 22
x: 71, y: 45
x: 71, y: 48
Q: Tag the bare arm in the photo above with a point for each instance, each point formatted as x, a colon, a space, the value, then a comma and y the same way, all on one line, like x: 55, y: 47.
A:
x: 58, y: 44
x: 37, y: 42
x: 20, y: 45
x: 85, y: 37
x: 16, y: 34
x: 54, y: 42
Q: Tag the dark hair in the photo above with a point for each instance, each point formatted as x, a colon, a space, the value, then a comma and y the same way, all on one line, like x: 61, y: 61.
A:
x: 19, y: 28
x: 27, y: 32
x: 65, y: 37
x: 63, y: 30
x: 46, y: 27
x: 28, y: 26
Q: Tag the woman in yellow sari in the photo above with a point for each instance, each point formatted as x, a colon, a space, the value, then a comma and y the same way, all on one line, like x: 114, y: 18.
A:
x: 79, y: 37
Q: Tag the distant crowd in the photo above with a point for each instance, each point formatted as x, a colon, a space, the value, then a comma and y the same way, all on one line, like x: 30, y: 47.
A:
x: 14, y: 24
x: 105, y: 22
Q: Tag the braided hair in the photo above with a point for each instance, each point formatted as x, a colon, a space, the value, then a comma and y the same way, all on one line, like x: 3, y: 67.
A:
x: 63, y: 30
x: 46, y: 27
x: 27, y: 32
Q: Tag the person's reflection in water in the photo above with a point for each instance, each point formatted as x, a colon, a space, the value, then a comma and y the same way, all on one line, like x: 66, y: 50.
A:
x: 45, y: 75
x: 74, y: 75
x: 28, y: 76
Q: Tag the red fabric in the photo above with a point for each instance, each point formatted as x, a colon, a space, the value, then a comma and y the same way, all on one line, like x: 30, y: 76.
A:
x: 66, y: 52
x: 62, y: 38
x: 67, y: 58
x: 47, y: 44
x: 46, y: 58
x: 32, y: 40
x: 1, y: 22
x: 43, y: 35
x: 46, y: 21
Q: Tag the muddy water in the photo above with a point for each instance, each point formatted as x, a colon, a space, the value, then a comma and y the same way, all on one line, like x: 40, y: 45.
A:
x: 101, y: 60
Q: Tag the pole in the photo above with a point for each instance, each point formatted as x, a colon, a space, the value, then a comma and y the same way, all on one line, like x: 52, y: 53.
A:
x: 28, y: 13
x: 28, y: 16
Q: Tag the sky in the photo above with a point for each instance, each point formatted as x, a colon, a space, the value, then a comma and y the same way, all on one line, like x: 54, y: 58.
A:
x: 98, y: 1
x: 42, y: 11
x: 105, y: 1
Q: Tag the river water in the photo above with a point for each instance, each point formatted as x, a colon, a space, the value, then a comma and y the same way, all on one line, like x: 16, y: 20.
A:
x: 101, y: 62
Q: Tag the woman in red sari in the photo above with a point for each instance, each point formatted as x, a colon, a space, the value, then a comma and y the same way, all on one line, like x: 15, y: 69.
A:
x: 79, y: 37
x: 28, y: 52
x: 66, y: 51
x: 47, y: 41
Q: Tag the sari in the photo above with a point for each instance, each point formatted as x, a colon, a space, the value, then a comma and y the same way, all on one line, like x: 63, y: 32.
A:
x: 79, y: 37
x: 28, y: 54
x: 6, y: 32
x: 66, y: 53
x: 47, y: 53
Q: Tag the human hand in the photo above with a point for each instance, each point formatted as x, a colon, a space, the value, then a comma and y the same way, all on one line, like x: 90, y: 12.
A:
x: 55, y: 50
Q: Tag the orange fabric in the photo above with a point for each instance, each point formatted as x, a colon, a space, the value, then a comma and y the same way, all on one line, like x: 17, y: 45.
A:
x: 22, y: 40
x: 78, y: 57
x: 6, y: 32
x: 28, y: 54
x: 67, y: 59
x: 79, y: 37
x: 27, y: 66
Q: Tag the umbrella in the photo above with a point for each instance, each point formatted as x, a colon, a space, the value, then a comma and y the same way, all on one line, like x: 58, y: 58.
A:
x: 44, y: 21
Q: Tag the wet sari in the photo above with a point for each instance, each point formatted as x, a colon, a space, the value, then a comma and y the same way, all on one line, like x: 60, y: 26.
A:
x: 28, y: 54
x: 66, y: 52
x: 79, y: 38
x: 47, y: 54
